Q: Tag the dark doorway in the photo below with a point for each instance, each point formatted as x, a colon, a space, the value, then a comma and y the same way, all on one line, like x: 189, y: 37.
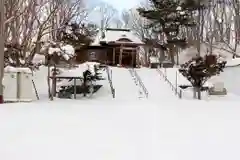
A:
x: 127, y: 60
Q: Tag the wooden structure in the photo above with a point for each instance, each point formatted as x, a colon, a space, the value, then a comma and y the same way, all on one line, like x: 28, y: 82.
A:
x: 74, y: 78
x: 113, y: 47
x: 154, y: 62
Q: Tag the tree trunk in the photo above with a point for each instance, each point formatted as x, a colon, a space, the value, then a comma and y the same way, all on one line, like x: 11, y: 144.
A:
x: 172, y: 52
x: 199, y: 93
x: 2, y: 39
x: 48, y: 82
x: 54, y: 81
x: 194, y: 93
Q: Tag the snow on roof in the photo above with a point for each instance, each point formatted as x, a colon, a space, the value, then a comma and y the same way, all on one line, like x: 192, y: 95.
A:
x: 15, y: 70
x: 78, y: 72
x: 112, y: 35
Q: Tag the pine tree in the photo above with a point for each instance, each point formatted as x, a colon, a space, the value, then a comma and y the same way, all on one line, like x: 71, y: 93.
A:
x: 167, y: 17
x: 97, y: 73
x: 89, y: 78
x: 198, y: 70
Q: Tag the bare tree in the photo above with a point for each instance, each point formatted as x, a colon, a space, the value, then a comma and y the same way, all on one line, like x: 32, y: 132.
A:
x: 31, y: 23
x: 125, y: 18
x: 138, y: 25
x: 107, y: 14
x: 118, y: 23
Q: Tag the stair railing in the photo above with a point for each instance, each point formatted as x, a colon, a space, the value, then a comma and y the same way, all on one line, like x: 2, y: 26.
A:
x: 174, y: 88
x: 135, y: 75
x: 109, y: 75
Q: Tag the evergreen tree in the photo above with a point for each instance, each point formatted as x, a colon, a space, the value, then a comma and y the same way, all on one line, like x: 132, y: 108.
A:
x: 167, y: 17
x: 198, y: 70
x: 97, y: 73
x: 89, y: 78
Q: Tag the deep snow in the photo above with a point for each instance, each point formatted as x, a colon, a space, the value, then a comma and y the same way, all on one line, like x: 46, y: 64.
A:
x: 124, y: 128
x: 117, y: 130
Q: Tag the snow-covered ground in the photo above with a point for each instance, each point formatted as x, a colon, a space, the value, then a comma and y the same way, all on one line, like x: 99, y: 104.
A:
x: 233, y: 62
x: 227, y: 77
x: 40, y: 79
x: 120, y: 130
x: 231, y: 78
x: 154, y: 83
x: 124, y: 128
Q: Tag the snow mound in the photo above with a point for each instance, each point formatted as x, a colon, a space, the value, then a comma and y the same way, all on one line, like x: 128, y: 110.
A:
x: 233, y: 62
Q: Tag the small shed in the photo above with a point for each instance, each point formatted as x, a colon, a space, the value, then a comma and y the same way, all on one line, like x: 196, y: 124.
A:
x: 167, y: 64
x: 154, y: 62
x: 18, y: 85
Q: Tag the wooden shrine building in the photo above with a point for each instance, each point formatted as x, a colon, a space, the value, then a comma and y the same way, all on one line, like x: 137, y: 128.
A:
x: 113, y: 47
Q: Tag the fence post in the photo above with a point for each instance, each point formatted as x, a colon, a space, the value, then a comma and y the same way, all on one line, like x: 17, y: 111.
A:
x: 176, y: 82
x: 111, y: 73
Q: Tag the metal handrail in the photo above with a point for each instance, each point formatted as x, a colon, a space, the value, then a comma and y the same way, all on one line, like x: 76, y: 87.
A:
x: 109, y: 74
x: 135, y: 75
x: 175, y: 89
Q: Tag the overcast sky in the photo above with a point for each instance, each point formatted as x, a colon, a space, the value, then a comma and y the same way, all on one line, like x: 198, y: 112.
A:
x: 120, y: 5
x: 123, y: 4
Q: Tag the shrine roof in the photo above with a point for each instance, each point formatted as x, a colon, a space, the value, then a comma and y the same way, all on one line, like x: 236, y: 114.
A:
x: 116, y: 35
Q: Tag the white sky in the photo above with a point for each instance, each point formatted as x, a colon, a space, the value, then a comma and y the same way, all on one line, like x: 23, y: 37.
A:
x: 123, y: 4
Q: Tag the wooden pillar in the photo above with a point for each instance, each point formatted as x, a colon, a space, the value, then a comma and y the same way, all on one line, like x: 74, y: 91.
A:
x: 114, y: 55
x: 132, y: 54
x: 54, y: 81
x: 106, y: 57
x: 75, y: 88
x: 120, y: 55
x: 137, y: 57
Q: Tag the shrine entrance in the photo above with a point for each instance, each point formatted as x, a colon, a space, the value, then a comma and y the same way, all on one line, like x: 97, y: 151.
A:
x: 127, y: 60
x: 124, y: 56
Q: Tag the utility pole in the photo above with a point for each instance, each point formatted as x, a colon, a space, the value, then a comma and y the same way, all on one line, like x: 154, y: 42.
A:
x: 2, y: 39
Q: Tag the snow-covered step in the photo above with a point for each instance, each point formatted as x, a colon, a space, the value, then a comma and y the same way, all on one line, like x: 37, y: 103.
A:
x: 154, y: 83
x: 123, y: 82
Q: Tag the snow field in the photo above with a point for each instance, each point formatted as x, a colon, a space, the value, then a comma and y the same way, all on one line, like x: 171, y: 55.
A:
x: 118, y: 130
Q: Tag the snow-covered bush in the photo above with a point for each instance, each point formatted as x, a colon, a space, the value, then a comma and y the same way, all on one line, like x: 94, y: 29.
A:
x: 66, y: 52
x: 15, y: 57
x: 198, y: 70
